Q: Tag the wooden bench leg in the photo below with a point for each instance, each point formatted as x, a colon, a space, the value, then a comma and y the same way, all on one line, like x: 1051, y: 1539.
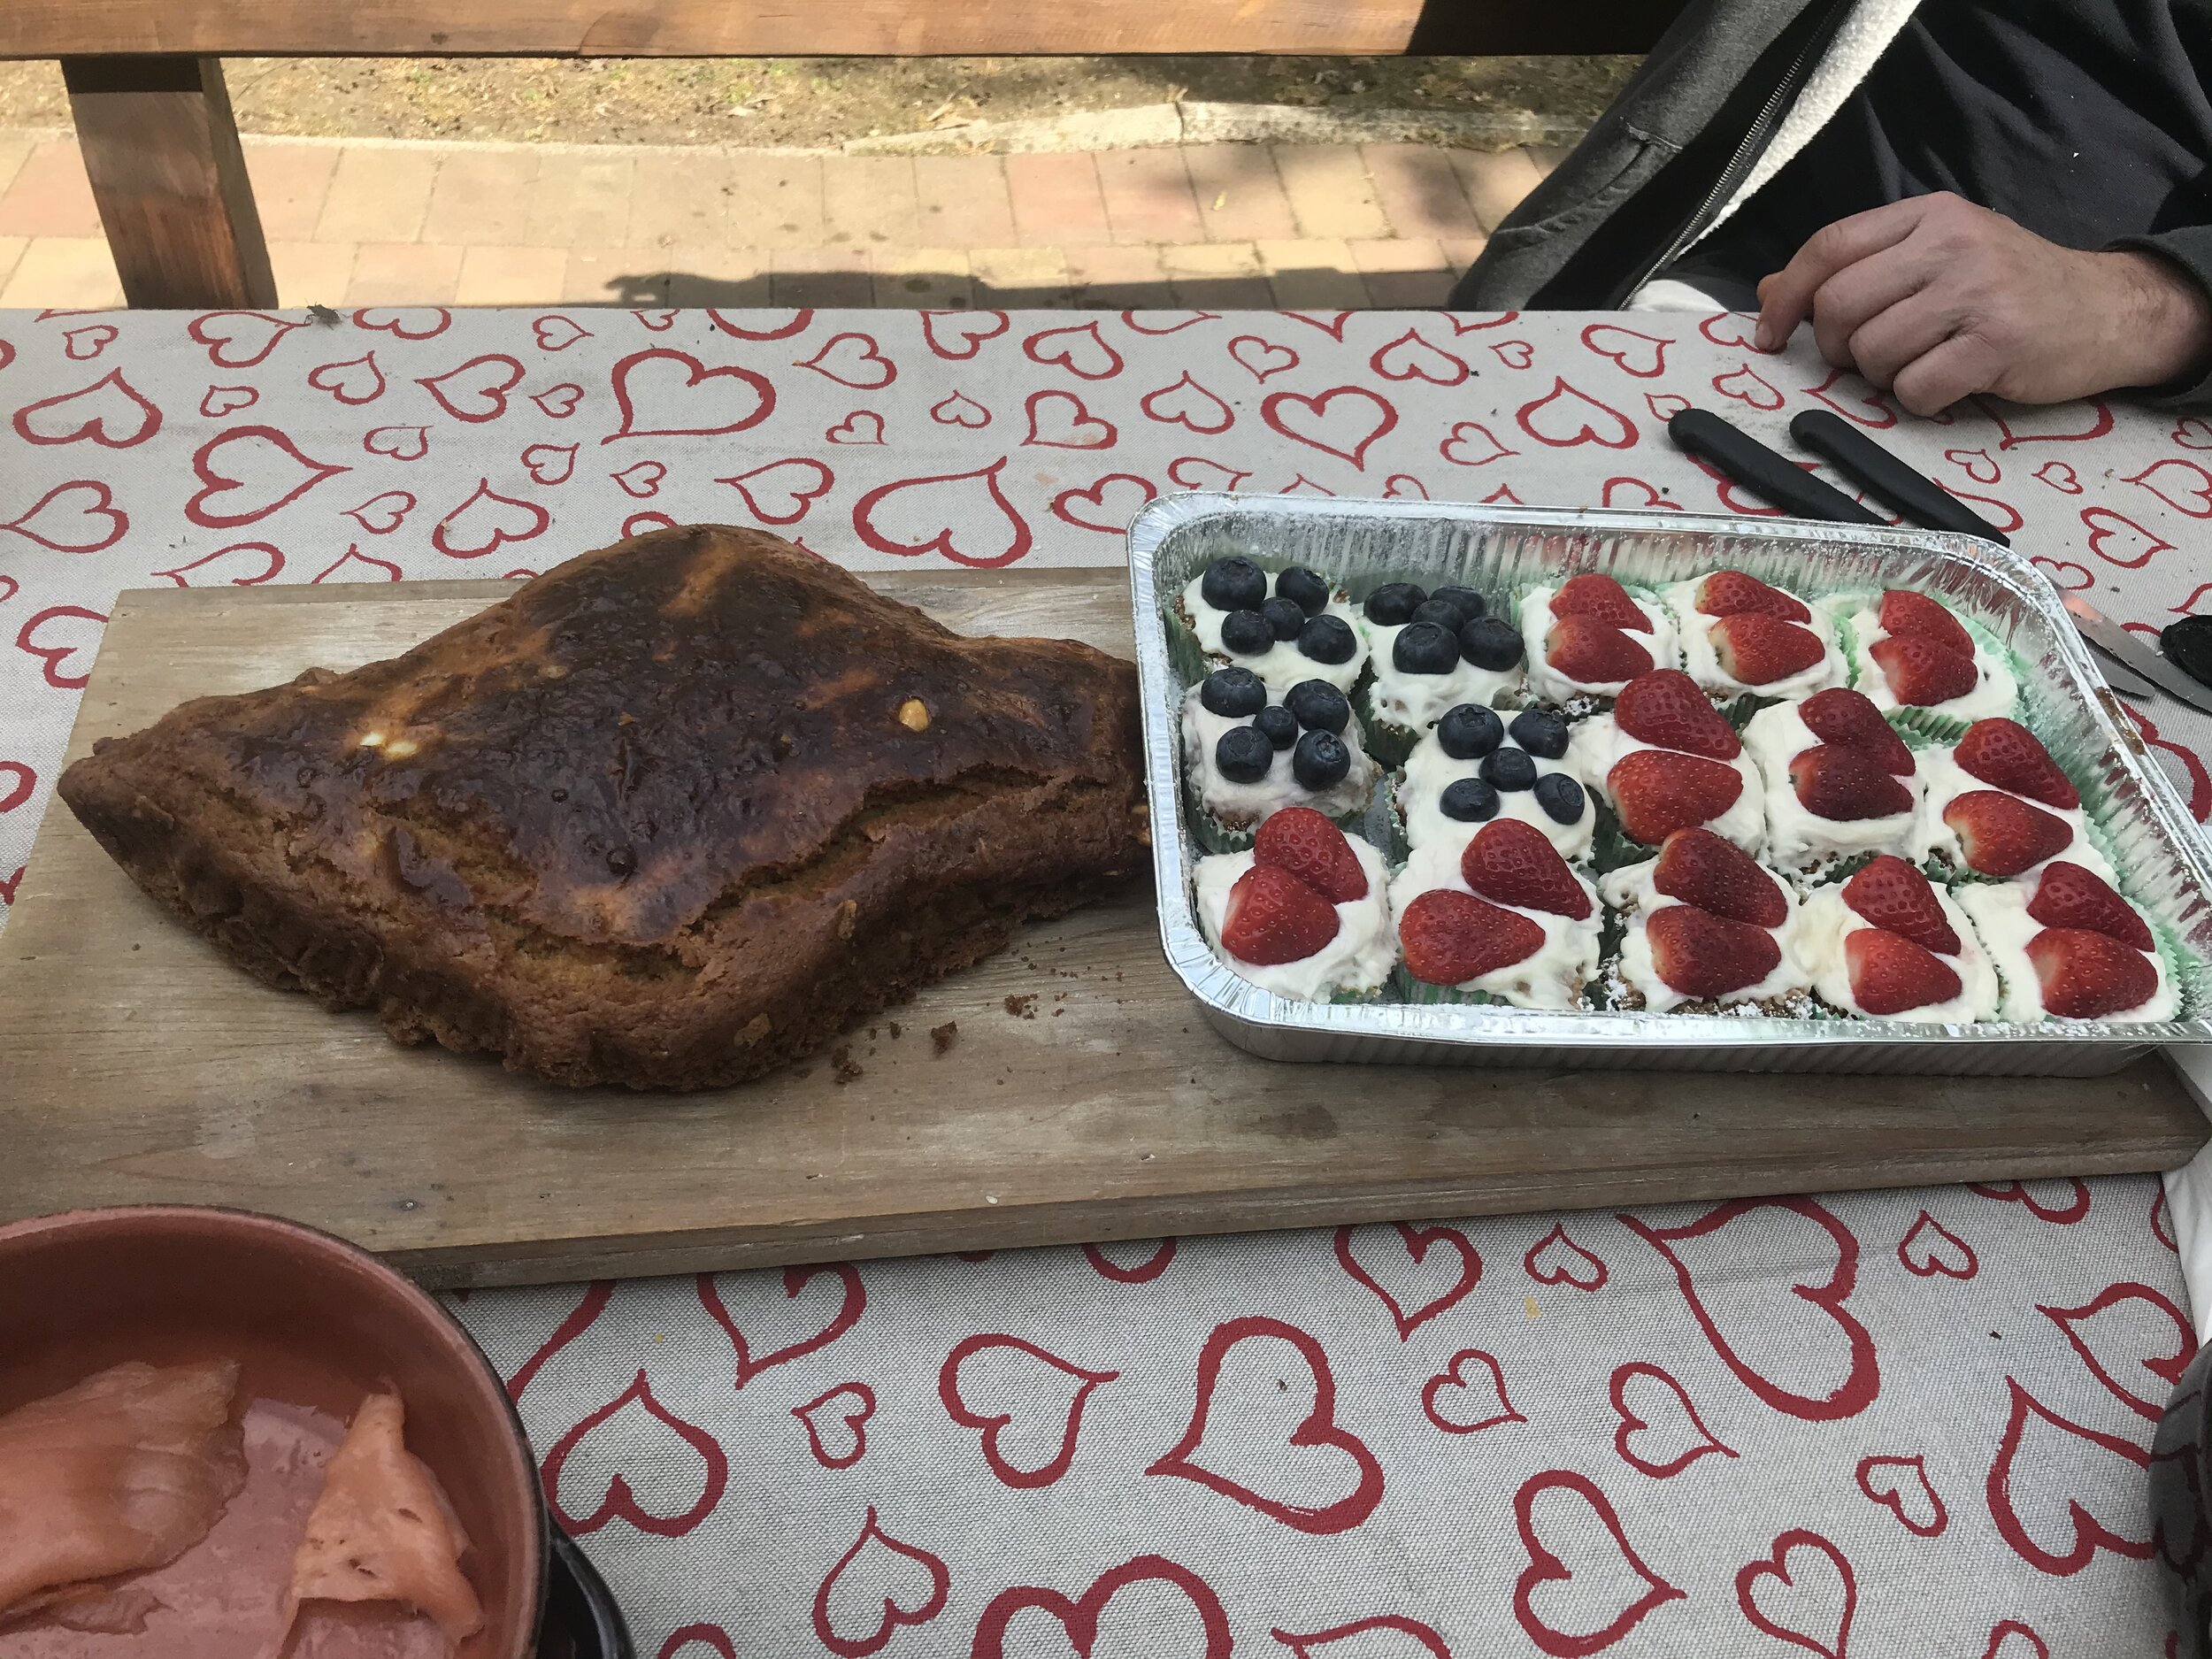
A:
x: 162, y: 151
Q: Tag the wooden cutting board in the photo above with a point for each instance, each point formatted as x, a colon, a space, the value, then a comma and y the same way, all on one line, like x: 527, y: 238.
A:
x: 1083, y: 1097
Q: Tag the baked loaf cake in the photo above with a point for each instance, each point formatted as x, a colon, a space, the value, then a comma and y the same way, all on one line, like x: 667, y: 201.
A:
x: 671, y: 815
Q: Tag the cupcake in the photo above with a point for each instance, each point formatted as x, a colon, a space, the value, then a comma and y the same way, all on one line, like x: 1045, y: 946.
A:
x: 1245, y: 758
x: 1664, y: 760
x: 1589, y: 637
x: 1474, y: 766
x: 2068, y: 946
x: 1433, y: 652
x: 1999, y: 805
x: 1501, y: 919
x: 1890, y: 944
x: 1839, y: 780
x: 1304, y: 913
x: 1706, y: 929
x: 1291, y: 626
x: 1910, y: 652
x: 1740, y: 635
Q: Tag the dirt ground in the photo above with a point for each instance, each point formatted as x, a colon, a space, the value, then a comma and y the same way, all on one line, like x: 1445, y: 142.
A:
x: 824, y: 101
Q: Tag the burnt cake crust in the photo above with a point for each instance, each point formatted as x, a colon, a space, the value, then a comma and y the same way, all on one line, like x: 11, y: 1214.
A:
x: 672, y: 814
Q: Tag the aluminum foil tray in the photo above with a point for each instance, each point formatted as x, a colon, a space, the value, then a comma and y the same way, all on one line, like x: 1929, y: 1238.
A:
x: 2163, y: 856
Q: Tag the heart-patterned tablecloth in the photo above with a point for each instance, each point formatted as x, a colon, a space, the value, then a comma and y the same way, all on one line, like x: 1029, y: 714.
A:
x: 1873, y: 1424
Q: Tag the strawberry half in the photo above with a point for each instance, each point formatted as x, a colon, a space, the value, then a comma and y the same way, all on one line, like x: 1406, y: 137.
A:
x: 1274, y: 917
x: 1850, y: 719
x: 2085, y: 974
x: 1656, y: 792
x: 1666, y: 708
x: 1918, y: 615
x: 2005, y: 753
x: 1845, y: 785
x: 1601, y: 598
x: 1514, y: 863
x: 1593, y: 652
x: 1451, y: 937
x: 2070, y: 896
x: 1701, y: 955
x: 1734, y: 594
x: 1304, y: 842
x: 1921, y: 673
x: 2001, y: 835
x: 1700, y: 868
x: 1759, y: 650
x: 1890, y: 974
x: 1894, y: 896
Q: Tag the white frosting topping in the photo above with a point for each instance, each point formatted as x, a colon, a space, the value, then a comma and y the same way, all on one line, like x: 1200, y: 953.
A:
x: 1701, y: 657
x: 1798, y: 838
x: 1946, y: 780
x: 1825, y: 922
x: 1357, y: 960
x: 1553, y: 976
x: 1629, y: 890
x: 1596, y: 745
x: 1994, y: 691
x: 2000, y: 909
x: 1429, y: 771
x: 1243, y: 805
x: 1536, y: 621
x: 1282, y: 665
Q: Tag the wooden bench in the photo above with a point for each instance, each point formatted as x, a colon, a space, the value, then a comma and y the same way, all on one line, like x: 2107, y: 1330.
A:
x: 154, y: 121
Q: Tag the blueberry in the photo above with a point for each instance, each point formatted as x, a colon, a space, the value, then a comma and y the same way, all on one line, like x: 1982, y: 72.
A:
x: 1328, y: 639
x: 1491, y: 642
x: 1392, y: 604
x: 1306, y: 589
x: 1469, y: 731
x: 1560, y: 797
x: 1235, y: 693
x: 1319, y: 706
x: 1284, y: 617
x: 1508, y: 769
x: 1233, y: 584
x: 1423, y: 648
x: 1320, y: 760
x: 1247, y: 632
x: 1470, y: 800
x: 1470, y: 603
x: 1279, y: 725
x: 1540, y: 732
x: 1440, y: 611
x: 1243, y: 755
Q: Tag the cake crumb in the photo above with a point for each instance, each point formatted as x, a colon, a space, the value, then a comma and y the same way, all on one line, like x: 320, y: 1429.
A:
x: 940, y: 1036
x: 894, y: 1029
x: 1023, y: 1007
x: 1057, y: 1012
x: 803, y: 1071
x: 847, y: 1067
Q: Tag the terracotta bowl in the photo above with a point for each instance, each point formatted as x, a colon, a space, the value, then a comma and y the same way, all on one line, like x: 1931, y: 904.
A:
x: 315, y: 1322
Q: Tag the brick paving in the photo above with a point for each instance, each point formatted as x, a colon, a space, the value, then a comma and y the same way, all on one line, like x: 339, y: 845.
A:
x: 1228, y: 224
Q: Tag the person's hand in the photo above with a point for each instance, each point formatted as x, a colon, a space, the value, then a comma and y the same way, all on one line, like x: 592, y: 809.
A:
x: 1935, y: 299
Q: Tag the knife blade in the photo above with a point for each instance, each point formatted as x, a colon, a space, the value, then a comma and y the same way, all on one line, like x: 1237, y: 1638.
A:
x: 2123, y: 648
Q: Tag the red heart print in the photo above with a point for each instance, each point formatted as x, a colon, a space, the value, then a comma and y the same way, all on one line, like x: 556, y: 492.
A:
x: 1864, y: 406
x: 1515, y: 354
x: 2002, y: 1645
x: 9, y: 887
x: 1556, y: 1259
x: 380, y: 514
x: 1035, y: 1386
x: 1194, y: 473
x: 2066, y: 575
x: 1318, y: 1431
x: 660, y: 321
x: 1329, y: 323
x: 2146, y: 1334
x: 354, y: 565
x: 1817, y: 1597
x: 965, y: 516
x: 1080, y: 1619
x: 223, y: 400
x: 2182, y: 485
x: 1187, y: 403
x: 1505, y: 492
x: 1416, y: 1242
x: 1080, y: 348
x: 1901, y: 1485
x: 957, y: 336
x: 78, y: 516
x: 852, y: 359
x: 560, y: 401
x: 1931, y: 1248
x: 618, y: 1499
x: 1166, y: 322
x: 549, y: 463
x: 2019, y: 424
x: 1565, y: 417
x: 476, y: 391
x: 1136, y: 1272
x: 2060, y: 476
x: 1260, y: 357
x: 1747, y: 386
x: 714, y: 1636
x: 358, y: 381
x: 852, y: 1299
x: 1729, y: 329
x: 645, y: 523
x: 2004, y: 515
x: 2055, y: 1468
x: 1404, y: 486
x: 751, y: 325
x: 1413, y: 356
x: 239, y: 340
x: 850, y: 1404
x: 1478, y: 1402
x: 641, y: 478
x: 17, y: 781
x: 486, y: 522
x: 960, y: 409
x: 248, y: 472
x: 425, y: 322
x: 665, y: 392
x: 1641, y: 354
x: 862, y: 425
x: 110, y: 412
x: 1422, y: 1637
x: 402, y: 443
x: 1547, y: 1567
x: 1058, y: 420
x: 84, y: 344
x: 1666, y: 1417
x: 1471, y: 443
x: 2063, y: 1202
x: 1978, y: 465
x: 573, y: 1324
x: 555, y: 332
x: 1664, y: 406
x: 228, y: 564
x: 780, y: 492
x: 2193, y: 431
x: 1344, y: 421
x: 2159, y: 1227
x: 1635, y: 492
x: 1091, y: 510
x: 1304, y: 486
x: 1860, y: 1381
x: 885, y: 1579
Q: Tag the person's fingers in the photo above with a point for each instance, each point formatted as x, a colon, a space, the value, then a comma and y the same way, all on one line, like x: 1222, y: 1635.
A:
x: 1863, y: 291
x: 1963, y: 364
x: 1787, y: 296
x: 1900, y: 334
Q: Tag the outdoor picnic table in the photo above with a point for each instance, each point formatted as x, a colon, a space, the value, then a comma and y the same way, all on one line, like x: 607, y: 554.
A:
x: 1894, y: 1422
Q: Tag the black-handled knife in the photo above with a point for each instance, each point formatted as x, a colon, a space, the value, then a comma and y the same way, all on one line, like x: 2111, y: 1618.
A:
x: 1772, y: 476
x: 1882, y: 475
